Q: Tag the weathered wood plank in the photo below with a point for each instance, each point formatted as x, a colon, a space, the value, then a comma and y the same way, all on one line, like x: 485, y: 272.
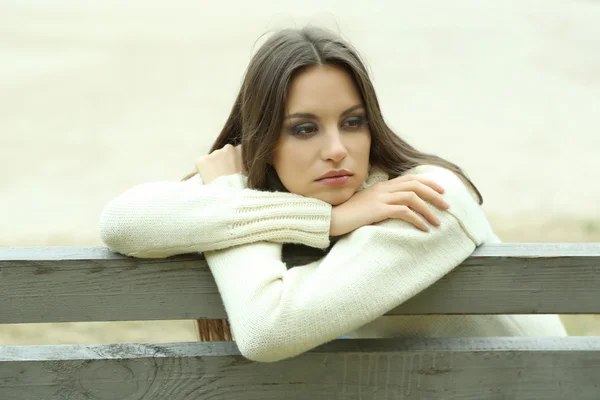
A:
x: 369, y: 369
x: 60, y: 284
x: 520, y: 250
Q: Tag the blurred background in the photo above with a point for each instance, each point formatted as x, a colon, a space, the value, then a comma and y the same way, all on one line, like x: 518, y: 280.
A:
x: 98, y: 96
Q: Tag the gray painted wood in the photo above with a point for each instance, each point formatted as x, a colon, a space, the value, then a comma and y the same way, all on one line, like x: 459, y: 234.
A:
x: 61, y: 284
x: 368, y: 369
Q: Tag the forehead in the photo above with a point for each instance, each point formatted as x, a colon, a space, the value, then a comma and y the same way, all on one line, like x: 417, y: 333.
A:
x: 321, y: 88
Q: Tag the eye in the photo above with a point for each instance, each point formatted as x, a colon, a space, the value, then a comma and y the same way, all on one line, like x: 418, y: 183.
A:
x: 355, y: 122
x: 303, y: 130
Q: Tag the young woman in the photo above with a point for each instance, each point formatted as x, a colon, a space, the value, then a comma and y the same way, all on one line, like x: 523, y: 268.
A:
x: 306, y: 157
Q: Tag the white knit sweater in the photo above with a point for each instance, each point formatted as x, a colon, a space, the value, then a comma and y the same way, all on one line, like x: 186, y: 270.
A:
x: 276, y: 312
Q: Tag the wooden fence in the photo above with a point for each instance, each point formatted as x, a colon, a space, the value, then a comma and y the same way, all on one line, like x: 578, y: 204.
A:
x: 60, y: 284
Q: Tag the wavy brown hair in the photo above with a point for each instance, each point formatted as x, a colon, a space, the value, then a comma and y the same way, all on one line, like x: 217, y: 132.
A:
x: 257, y: 115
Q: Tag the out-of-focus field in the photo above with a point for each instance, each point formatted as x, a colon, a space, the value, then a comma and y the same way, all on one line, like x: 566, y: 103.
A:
x: 98, y: 96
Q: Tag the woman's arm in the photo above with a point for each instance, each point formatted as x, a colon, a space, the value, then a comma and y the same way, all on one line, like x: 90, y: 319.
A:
x: 161, y: 219
x: 276, y: 313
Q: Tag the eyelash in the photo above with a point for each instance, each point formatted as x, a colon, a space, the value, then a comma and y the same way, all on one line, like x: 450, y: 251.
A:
x: 362, y: 121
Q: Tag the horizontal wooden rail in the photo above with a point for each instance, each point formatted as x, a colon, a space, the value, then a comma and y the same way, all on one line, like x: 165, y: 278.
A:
x: 368, y: 369
x: 60, y: 284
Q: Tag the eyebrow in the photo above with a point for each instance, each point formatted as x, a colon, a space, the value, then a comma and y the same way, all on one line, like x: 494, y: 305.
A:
x: 308, y: 115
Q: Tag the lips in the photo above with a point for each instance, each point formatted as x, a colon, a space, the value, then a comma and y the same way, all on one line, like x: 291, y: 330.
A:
x: 335, y: 174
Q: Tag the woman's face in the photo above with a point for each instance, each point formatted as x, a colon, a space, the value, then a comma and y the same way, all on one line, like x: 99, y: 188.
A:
x: 324, y: 129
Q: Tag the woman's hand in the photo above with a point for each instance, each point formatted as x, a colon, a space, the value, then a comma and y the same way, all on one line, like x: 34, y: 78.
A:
x: 403, y: 198
x: 225, y: 161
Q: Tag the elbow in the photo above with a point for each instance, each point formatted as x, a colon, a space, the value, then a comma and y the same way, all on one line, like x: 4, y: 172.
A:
x: 112, y: 235
x: 259, y: 336
x: 261, y: 353
x: 115, y: 231
x: 266, y: 348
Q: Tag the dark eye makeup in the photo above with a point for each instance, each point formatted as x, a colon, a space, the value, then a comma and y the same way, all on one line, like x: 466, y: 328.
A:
x: 308, y: 129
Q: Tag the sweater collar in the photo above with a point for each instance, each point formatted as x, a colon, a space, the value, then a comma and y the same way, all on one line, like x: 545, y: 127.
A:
x: 375, y: 175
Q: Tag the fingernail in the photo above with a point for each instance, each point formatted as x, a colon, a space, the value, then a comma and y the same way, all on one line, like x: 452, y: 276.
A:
x: 446, y: 205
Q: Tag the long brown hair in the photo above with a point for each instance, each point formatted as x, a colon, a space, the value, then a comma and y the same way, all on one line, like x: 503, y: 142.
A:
x: 257, y: 115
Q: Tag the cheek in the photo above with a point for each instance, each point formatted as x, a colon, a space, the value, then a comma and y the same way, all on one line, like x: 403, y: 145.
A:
x: 361, y: 146
x: 289, y: 162
x: 284, y: 157
x: 297, y: 151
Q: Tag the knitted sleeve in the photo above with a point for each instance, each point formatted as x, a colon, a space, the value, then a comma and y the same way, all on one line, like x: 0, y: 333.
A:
x: 276, y: 313
x: 160, y: 219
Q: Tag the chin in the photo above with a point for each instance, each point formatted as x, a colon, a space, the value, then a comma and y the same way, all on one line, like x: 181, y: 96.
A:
x: 335, y: 199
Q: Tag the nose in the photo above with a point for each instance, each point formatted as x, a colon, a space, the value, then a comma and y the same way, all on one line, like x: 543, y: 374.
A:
x: 334, y: 148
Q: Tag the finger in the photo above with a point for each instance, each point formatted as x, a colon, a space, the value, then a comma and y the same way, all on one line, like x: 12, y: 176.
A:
x: 199, y: 161
x: 426, y: 193
x: 408, y: 178
x: 418, y: 205
x: 406, y: 214
x: 429, y: 182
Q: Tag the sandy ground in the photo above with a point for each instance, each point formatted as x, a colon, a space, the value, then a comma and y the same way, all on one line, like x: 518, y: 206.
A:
x: 99, y: 96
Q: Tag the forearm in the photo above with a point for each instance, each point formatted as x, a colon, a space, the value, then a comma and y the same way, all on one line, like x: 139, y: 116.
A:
x: 160, y: 219
x: 278, y: 313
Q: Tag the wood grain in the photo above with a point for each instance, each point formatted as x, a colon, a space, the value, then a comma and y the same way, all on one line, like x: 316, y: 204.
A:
x: 81, y: 284
x: 368, y: 369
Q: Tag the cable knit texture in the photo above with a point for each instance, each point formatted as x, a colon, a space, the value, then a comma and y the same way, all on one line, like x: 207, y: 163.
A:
x: 276, y: 312
x: 161, y: 219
